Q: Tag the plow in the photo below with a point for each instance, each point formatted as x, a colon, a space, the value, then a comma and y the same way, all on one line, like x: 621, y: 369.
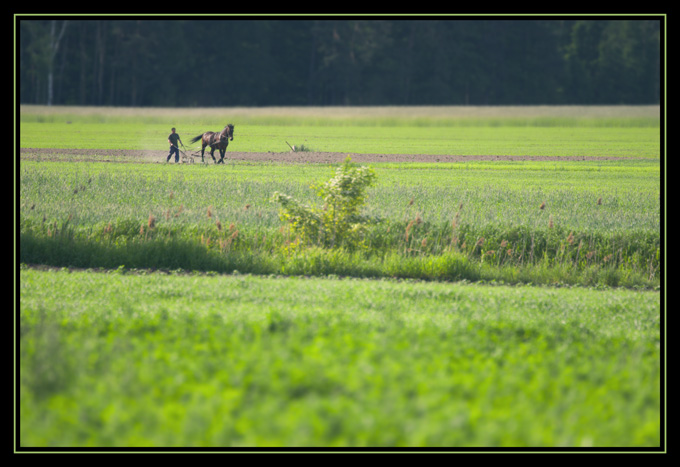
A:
x: 187, y: 158
x: 192, y: 153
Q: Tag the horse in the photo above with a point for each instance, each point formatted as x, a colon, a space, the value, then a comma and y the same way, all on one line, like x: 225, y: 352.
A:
x: 216, y: 141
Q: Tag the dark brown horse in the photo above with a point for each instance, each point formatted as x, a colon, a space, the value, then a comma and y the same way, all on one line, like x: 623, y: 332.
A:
x: 216, y: 141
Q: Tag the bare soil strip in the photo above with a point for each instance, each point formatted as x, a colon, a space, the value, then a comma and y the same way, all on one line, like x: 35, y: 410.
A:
x: 148, y: 156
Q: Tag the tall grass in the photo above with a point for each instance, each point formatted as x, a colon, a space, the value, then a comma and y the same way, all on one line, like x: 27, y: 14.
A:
x: 421, y: 224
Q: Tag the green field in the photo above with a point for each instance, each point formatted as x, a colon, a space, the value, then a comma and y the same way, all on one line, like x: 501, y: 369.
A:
x: 578, y: 131
x: 187, y: 314
x: 242, y: 361
x: 97, y: 215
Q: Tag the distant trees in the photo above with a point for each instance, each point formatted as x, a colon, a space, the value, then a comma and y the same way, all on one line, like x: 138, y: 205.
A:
x: 140, y: 62
x: 613, y: 61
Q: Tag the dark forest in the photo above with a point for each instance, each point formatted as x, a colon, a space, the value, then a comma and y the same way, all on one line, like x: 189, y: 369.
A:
x: 335, y: 61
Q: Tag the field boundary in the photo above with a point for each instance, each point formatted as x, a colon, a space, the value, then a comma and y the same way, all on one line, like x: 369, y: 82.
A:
x: 154, y: 156
x: 423, y: 111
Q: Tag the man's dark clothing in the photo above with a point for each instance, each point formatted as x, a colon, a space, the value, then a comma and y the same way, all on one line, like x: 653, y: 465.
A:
x: 174, y: 137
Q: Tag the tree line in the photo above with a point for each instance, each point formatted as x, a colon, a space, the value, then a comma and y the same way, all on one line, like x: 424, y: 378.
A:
x: 255, y: 62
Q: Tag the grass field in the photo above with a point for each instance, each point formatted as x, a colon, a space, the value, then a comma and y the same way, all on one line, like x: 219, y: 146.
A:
x: 181, y: 316
x: 206, y: 218
x: 228, y: 361
x: 577, y: 131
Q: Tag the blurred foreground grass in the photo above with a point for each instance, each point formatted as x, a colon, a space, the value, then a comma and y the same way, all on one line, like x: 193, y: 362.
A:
x: 123, y: 359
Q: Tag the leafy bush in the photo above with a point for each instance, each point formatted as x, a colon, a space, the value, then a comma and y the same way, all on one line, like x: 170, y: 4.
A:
x: 338, y: 222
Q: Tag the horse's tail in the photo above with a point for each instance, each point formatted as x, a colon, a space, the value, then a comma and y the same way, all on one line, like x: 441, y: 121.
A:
x: 195, y: 138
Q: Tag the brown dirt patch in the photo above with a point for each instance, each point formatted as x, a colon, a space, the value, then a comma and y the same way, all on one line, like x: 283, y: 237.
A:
x: 148, y: 156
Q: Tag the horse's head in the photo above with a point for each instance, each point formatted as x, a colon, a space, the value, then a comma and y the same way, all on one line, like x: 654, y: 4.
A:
x: 227, y: 132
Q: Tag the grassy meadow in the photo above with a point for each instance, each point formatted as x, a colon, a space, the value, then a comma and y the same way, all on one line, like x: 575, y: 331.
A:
x: 508, y: 303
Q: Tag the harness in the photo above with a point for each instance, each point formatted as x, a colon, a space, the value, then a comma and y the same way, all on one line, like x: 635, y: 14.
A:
x: 223, y: 137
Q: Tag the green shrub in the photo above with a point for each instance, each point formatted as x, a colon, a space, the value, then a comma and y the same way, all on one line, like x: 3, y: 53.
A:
x: 338, y: 222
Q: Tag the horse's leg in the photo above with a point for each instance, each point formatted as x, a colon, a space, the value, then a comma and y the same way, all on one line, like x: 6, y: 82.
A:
x: 222, y: 151
x: 212, y: 154
x: 202, y: 152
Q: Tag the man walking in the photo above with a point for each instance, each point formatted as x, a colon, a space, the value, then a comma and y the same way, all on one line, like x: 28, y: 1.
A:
x: 173, y: 138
